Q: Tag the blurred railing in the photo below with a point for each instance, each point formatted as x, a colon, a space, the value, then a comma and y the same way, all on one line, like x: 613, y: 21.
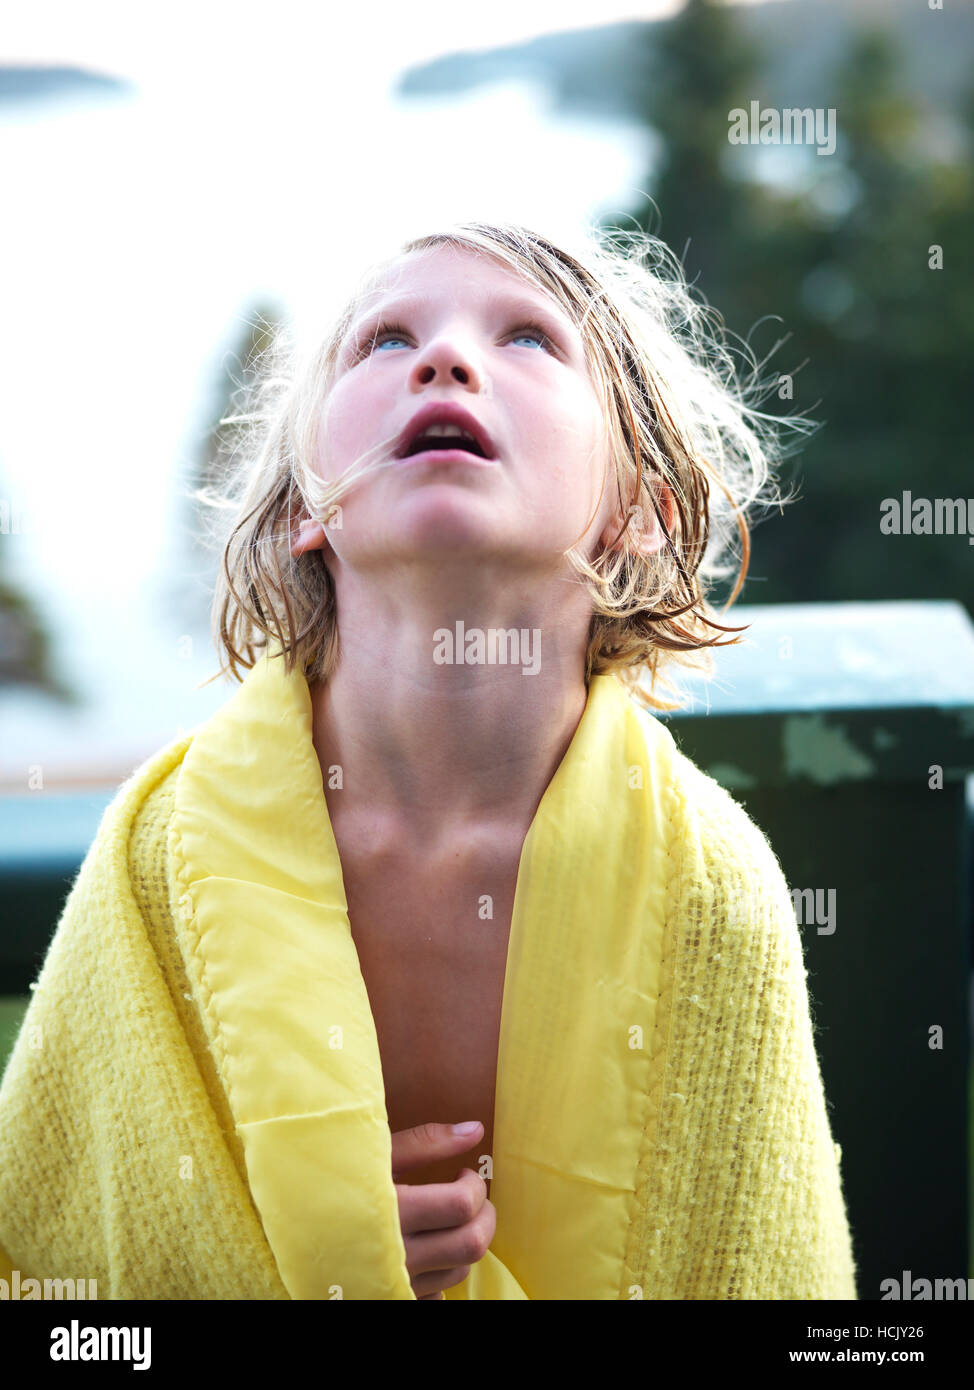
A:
x: 847, y: 732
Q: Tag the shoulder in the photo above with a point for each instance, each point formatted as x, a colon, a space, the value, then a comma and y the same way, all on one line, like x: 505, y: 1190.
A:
x: 141, y: 787
x: 102, y: 907
x: 738, y: 953
x: 714, y: 847
x: 729, y: 895
x: 720, y: 836
x: 148, y: 836
x: 133, y: 826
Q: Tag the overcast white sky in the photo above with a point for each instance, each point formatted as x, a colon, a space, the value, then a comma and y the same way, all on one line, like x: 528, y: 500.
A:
x: 128, y: 39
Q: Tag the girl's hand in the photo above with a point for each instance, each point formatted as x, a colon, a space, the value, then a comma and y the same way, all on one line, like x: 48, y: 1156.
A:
x: 446, y: 1226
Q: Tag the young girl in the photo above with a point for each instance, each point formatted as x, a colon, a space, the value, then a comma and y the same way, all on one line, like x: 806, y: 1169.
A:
x: 436, y: 863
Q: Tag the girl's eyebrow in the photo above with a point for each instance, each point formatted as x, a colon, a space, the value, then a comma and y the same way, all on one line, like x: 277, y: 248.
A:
x: 512, y: 303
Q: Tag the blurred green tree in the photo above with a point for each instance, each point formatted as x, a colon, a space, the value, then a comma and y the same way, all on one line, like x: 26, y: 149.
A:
x: 842, y: 253
x: 27, y: 656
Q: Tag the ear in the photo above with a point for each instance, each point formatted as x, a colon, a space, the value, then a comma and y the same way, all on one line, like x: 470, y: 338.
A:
x: 310, y: 535
x: 644, y: 534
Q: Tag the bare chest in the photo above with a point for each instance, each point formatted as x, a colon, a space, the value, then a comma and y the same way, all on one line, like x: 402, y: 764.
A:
x: 432, y: 947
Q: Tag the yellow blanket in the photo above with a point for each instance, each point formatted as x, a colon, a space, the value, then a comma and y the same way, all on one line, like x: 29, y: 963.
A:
x: 194, y: 1107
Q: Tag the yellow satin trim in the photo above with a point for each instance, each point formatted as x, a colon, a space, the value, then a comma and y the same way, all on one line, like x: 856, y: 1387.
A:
x: 264, y: 918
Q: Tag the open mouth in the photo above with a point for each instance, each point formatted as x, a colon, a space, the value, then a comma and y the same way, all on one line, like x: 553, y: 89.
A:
x: 445, y: 426
x: 454, y: 443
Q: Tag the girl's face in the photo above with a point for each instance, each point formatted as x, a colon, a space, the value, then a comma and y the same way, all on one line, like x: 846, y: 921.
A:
x: 452, y: 328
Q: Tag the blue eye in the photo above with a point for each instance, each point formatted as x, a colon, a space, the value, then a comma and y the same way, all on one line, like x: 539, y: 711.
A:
x: 386, y: 332
x: 533, y: 330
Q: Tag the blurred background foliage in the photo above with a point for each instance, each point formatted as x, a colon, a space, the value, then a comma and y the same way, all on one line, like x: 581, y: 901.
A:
x: 27, y: 655
x: 882, y: 342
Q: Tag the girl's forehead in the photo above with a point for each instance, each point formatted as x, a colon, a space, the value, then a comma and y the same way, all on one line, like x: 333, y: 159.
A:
x: 417, y: 274
x: 460, y: 276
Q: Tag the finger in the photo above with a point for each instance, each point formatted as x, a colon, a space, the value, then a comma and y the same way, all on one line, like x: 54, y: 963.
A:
x: 439, y: 1250
x: 415, y: 1148
x: 442, y: 1279
x: 435, y: 1206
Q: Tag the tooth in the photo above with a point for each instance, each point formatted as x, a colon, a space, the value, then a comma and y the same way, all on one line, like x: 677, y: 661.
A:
x: 446, y: 431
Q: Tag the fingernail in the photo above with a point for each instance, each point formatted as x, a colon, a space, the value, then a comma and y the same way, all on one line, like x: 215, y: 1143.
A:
x: 468, y: 1127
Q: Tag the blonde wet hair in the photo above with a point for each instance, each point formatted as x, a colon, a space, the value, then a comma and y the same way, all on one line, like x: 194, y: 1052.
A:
x: 680, y: 405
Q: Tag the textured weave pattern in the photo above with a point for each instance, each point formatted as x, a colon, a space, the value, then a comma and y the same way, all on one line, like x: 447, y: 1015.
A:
x: 738, y: 1193
x: 148, y: 1209
x: 152, y: 887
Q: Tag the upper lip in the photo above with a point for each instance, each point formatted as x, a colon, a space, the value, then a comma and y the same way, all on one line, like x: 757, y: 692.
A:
x: 441, y: 413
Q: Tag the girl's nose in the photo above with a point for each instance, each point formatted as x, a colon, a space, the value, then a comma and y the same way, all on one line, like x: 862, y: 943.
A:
x: 446, y: 359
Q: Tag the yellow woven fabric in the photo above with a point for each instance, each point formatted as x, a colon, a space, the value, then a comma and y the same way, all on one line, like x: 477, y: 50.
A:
x: 194, y: 1106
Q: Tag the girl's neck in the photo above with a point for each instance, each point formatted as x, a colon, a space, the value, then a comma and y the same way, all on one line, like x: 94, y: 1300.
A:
x: 441, y: 723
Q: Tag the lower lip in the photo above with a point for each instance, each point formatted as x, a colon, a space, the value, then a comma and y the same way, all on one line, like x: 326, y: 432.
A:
x: 448, y: 456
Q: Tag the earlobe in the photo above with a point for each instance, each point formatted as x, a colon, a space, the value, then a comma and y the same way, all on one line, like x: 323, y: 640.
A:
x: 310, y: 536
x: 643, y: 533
